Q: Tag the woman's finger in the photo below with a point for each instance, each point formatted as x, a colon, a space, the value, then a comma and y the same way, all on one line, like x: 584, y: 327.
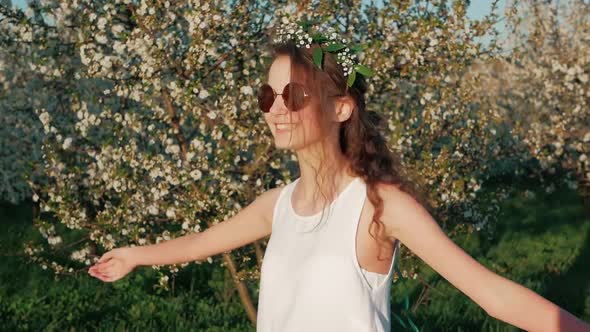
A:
x: 111, y: 277
x: 99, y: 276
x: 92, y: 270
x: 97, y: 271
x: 106, y: 257
x: 108, y: 264
x: 109, y: 270
x: 94, y: 267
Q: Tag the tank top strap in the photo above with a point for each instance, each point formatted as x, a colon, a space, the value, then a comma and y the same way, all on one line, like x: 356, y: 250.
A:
x: 281, y: 206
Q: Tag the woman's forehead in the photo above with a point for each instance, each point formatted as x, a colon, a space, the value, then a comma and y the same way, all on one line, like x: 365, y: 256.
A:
x: 279, y: 86
x: 280, y: 73
x: 279, y: 82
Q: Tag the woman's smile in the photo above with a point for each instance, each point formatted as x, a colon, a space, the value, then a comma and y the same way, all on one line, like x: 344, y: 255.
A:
x: 284, y: 127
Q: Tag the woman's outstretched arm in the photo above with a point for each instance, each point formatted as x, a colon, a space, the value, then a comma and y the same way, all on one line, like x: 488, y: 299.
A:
x: 405, y: 219
x: 250, y: 224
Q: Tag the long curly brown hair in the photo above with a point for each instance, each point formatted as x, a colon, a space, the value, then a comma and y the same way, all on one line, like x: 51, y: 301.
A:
x: 360, y: 137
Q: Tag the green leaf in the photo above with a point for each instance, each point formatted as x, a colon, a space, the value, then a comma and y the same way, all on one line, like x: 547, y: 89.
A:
x: 317, y: 56
x: 335, y: 47
x: 304, y: 24
x: 351, y: 78
x: 407, y: 302
x: 364, y: 70
x: 401, y: 322
x: 318, y: 38
x: 416, y: 329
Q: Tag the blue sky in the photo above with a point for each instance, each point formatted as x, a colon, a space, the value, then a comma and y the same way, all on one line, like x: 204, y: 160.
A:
x: 480, y: 8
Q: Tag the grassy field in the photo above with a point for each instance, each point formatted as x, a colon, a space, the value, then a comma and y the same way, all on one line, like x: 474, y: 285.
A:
x: 543, y: 242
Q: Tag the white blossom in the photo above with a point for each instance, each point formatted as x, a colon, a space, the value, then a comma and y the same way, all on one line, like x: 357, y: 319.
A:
x: 203, y: 94
x: 171, y: 213
x: 67, y: 143
x: 246, y: 90
x: 196, y: 174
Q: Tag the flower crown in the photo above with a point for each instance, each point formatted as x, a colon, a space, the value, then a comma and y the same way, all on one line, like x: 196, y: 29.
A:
x: 345, y: 55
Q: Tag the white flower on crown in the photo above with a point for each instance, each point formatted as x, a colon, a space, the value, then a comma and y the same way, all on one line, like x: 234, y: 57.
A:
x: 292, y: 31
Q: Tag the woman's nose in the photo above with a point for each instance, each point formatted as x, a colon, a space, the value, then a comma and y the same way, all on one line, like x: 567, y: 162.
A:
x: 278, y: 106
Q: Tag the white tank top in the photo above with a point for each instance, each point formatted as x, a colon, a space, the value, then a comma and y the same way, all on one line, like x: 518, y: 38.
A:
x: 310, y: 276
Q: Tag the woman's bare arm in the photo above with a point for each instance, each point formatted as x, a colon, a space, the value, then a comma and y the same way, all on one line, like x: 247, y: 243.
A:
x: 406, y: 220
x: 250, y: 224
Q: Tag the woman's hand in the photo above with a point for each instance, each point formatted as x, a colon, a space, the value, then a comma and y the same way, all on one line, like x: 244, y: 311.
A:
x: 114, y: 265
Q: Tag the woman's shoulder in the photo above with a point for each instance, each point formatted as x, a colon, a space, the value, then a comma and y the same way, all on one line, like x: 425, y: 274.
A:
x: 399, y: 206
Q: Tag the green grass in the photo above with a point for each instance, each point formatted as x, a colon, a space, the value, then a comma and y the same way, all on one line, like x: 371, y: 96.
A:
x: 542, y: 243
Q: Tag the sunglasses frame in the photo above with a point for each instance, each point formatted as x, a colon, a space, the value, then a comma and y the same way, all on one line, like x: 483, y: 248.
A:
x: 306, y: 96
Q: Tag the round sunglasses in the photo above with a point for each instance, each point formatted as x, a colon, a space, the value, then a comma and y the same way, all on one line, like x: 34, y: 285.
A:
x: 294, y: 95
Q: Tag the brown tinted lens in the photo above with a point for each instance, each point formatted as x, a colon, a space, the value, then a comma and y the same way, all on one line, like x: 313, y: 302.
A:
x: 265, y: 98
x: 294, y: 95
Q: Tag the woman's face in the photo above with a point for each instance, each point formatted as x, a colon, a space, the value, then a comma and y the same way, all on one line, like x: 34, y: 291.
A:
x: 303, y: 126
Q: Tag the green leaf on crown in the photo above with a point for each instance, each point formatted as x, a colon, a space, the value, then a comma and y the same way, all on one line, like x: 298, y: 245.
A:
x: 318, y: 38
x: 365, y: 71
x: 351, y: 78
x: 317, y: 56
x: 335, y: 47
x: 304, y: 24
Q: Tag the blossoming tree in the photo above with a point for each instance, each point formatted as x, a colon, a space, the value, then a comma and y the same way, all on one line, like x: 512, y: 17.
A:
x: 150, y: 127
x: 541, y: 89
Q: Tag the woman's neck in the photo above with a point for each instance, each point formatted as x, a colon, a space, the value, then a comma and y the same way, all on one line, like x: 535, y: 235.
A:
x: 325, y: 186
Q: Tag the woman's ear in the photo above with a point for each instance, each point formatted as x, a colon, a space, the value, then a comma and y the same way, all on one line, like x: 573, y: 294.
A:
x: 344, y: 108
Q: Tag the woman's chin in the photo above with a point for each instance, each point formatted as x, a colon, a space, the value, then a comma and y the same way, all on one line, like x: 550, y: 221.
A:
x: 283, y: 142
x: 283, y: 145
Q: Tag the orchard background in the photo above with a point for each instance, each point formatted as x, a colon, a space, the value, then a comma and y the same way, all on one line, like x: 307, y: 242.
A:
x: 128, y: 123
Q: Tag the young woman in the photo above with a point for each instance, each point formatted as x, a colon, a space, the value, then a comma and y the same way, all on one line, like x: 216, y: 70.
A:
x: 334, y: 273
